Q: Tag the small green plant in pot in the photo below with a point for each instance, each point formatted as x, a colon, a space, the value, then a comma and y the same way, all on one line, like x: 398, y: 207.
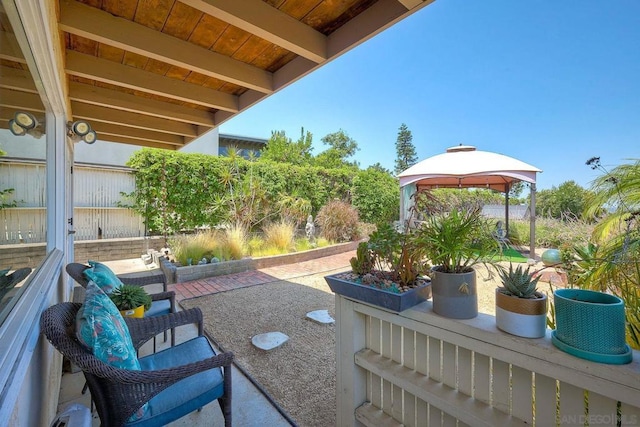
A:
x: 520, y: 309
x: 132, y: 301
x: 454, y: 240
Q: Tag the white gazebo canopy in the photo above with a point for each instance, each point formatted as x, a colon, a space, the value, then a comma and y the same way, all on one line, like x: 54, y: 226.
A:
x: 465, y: 167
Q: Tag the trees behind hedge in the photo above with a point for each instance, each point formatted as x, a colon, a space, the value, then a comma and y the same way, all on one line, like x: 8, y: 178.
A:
x: 178, y: 191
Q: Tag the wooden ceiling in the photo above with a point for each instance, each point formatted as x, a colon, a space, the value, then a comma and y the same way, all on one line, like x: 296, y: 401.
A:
x: 160, y: 73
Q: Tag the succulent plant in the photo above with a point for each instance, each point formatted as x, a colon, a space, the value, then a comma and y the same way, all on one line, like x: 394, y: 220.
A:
x: 130, y: 297
x: 362, y: 263
x: 518, y: 282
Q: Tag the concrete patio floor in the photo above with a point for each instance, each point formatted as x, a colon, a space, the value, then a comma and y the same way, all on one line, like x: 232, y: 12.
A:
x: 249, y: 406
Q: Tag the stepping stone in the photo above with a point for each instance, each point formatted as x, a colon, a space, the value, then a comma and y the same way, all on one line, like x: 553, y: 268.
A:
x: 321, y: 316
x: 269, y: 340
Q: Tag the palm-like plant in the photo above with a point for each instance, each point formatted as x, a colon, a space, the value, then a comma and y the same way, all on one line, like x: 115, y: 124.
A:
x: 612, y: 262
x: 456, y: 240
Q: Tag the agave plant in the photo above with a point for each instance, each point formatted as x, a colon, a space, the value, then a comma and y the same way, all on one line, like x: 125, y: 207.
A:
x: 518, y: 282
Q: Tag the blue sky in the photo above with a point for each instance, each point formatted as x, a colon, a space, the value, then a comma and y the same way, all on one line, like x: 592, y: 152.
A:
x: 551, y: 83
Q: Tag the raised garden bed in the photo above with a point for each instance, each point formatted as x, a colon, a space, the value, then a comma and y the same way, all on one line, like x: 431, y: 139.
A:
x: 180, y: 274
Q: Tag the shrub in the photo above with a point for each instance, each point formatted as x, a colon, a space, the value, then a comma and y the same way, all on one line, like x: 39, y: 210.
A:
x: 197, y: 246
x: 338, y: 221
x: 236, y: 242
x: 551, y: 232
x: 376, y: 195
x: 279, y: 235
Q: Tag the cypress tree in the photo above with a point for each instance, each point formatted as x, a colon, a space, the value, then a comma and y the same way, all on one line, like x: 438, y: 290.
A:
x: 406, y: 151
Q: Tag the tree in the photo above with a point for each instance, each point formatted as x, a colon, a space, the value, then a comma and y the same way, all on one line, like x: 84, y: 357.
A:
x: 516, y: 189
x: 406, y: 151
x: 567, y: 199
x: 378, y: 167
x: 281, y: 149
x: 376, y: 195
x: 341, y: 147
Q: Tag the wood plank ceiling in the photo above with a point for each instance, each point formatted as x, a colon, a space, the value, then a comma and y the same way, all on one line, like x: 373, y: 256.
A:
x: 160, y: 73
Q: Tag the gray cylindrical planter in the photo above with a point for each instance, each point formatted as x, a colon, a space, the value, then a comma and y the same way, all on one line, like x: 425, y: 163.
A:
x: 454, y: 294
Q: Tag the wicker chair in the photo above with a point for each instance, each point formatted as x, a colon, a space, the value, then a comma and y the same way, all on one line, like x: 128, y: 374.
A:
x: 162, y: 303
x: 174, y: 382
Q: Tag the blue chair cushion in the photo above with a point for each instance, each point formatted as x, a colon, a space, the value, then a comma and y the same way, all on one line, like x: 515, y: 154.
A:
x: 101, y: 328
x: 103, y: 276
x: 159, y: 308
x: 186, y: 395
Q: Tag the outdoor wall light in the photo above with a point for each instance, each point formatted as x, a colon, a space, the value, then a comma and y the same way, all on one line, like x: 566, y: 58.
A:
x: 80, y: 130
x: 24, y: 123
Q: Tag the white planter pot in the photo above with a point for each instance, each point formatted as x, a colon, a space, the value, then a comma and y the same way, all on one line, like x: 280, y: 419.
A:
x: 520, y: 316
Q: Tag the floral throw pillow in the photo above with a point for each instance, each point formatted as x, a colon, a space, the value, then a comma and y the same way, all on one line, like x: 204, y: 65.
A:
x: 103, y: 276
x: 101, y: 328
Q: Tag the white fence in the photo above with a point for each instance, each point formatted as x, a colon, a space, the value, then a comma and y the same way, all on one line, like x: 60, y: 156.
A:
x: 417, y: 368
x: 97, y: 193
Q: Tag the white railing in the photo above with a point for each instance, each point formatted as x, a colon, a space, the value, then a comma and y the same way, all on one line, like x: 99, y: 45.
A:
x: 417, y: 368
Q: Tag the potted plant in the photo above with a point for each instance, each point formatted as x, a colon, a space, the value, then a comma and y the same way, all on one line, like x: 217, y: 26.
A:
x: 387, y: 271
x: 132, y: 301
x: 520, y: 309
x: 455, y: 240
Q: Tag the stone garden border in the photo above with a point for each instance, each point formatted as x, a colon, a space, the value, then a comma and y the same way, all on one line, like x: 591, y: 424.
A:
x: 183, y: 274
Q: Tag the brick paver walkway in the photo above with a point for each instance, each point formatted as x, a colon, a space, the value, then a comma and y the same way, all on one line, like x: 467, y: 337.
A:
x: 211, y: 285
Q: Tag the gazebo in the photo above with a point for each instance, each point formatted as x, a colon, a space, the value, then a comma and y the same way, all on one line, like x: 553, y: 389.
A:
x: 465, y: 167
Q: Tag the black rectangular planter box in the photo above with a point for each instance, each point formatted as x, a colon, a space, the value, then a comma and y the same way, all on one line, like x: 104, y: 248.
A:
x: 385, y: 299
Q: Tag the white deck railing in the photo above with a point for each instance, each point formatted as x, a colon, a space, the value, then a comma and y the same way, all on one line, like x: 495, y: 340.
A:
x: 417, y: 368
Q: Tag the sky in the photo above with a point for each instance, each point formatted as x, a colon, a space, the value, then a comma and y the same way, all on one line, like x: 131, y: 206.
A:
x: 551, y: 83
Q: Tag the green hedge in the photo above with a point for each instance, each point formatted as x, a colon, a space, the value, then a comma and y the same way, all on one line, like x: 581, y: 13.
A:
x: 182, y: 191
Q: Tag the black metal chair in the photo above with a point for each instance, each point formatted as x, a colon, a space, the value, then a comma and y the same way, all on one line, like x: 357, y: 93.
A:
x: 174, y: 382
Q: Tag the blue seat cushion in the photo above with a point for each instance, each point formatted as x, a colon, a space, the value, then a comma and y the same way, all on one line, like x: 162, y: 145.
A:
x: 159, y: 308
x: 186, y: 395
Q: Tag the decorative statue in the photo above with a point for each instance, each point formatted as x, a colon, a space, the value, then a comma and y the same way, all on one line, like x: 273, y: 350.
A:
x: 310, y: 228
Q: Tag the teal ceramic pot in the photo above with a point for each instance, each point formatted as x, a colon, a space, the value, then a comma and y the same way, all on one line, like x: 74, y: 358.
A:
x: 551, y: 257
x: 591, y: 325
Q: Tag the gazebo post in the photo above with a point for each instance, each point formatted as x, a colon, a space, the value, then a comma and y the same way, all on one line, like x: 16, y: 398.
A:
x: 532, y: 222
x: 402, y: 202
x: 506, y: 209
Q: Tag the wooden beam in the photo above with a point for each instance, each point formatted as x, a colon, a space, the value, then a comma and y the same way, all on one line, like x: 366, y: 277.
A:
x: 380, y: 16
x: 268, y: 23
x: 113, y: 116
x: 95, y: 24
x: 410, y: 4
x: 134, y: 133
x: 103, y: 97
x: 17, y: 79
x: 21, y: 100
x: 10, y: 49
x: 106, y: 71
